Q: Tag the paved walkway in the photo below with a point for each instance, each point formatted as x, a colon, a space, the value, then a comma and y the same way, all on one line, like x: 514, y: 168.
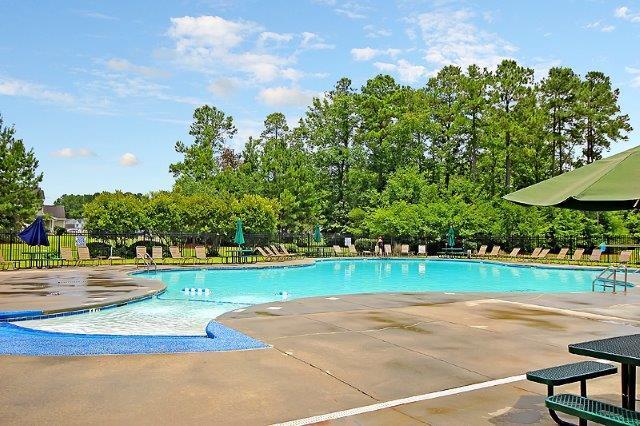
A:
x: 336, y: 353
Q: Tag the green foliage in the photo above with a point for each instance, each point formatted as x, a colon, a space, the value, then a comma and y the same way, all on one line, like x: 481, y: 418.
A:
x: 74, y: 204
x: 20, y: 194
x: 116, y: 212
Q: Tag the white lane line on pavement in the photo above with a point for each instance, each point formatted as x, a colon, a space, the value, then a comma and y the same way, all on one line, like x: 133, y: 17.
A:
x: 402, y: 401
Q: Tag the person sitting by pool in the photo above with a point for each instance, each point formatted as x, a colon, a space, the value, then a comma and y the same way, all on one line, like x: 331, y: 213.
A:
x: 380, y: 246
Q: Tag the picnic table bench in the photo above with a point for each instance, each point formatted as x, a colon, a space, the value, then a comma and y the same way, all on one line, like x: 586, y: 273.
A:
x: 622, y: 349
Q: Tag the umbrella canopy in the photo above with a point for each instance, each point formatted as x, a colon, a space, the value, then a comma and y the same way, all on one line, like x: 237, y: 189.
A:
x: 35, y: 234
x: 317, y: 236
x: 451, y: 237
x: 612, y: 183
x: 239, y: 238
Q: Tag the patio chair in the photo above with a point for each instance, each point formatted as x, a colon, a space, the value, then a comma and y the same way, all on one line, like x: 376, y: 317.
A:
x: 534, y: 254
x: 543, y: 254
x: 84, y: 256
x: 495, y: 251
x: 141, y: 254
x: 387, y: 250
x: 482, y: 251
x: 276, y: 256
x: 577, y: 255
x: 353, y: 251
x: 283, y: 248
x: 266, y: 256
x: 156, y: 254
x: 201, y: 254
x: 624, y: 257
x: 275, y: 250
x: 514, y: 253
x: 5, y: 264
x: 337, y: 250
x: 422, y: 250
x: 404, y: 250
x: 596, y: 254
x: 176, y: 256
x: 66, y: 255
x: 562, y: 254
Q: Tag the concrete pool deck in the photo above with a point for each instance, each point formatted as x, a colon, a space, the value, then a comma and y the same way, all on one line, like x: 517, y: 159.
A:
x: 331, y: 354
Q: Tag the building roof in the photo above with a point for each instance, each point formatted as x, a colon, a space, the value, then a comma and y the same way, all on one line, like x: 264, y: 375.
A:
x: 55, y: 211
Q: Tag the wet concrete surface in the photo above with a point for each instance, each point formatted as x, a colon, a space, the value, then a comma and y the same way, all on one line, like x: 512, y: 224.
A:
x: 336, y: 353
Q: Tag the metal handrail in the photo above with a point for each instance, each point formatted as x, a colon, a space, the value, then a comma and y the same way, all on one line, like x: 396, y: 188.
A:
x: 612, y: 271
x: 149, y: 262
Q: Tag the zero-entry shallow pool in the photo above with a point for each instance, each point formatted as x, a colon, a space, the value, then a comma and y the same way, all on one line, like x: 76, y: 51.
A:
x: 195, y: 296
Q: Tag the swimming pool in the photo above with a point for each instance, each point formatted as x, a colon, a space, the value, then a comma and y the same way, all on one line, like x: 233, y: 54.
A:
x: 195, y: 296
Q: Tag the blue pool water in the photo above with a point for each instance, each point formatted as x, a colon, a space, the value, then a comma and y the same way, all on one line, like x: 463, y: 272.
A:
x: 211, y: 292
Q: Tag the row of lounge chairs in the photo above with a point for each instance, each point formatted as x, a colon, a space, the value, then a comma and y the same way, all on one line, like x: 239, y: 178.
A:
x: 271, y: 253
x: 404, y: 251
x: 540, y: 254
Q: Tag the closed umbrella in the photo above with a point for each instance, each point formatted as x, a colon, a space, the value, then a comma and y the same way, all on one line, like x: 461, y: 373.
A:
x: 35, y: 234
x: 317, y: 236
x: 612, y: 183
x: 451, y: 237
x: 239, y: 238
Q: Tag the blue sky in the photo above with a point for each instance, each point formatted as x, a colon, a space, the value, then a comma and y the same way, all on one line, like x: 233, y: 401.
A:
x: 102, y: 90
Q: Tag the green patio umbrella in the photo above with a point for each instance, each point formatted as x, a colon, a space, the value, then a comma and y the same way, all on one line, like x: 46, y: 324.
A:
x: 612, y: 183
x: 239, y: 238
x: 317, y: 236
x: 451, y: 237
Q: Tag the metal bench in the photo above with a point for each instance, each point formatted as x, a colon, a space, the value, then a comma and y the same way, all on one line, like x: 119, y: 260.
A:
x: 595, y: 411
x: 570, y: 373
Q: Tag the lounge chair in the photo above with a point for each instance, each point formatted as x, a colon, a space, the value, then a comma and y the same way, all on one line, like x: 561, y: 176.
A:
x: 66, y: 255
x: 156, y: 254
x: 275, y: 250
x: 495, y: 251
x: 577, y: 255
x: 624, y: 257
x: 141, y: 254
x: 176, y: 256
x: 562, y: 254
x: 534, y: 254
x: 514, y: 253
x: 266, y: 256
x: 353, y: 251
x: 596, y: 254
x: 482, y: 251
x: 338, y: 250
x: 283, y: 248
x: 5, y: 264
x: 277, y: 256
x: 201, y: 254
x: 387, y: 250
x: 404, y: 250
x: 422, y: 250
x: 543, y: 254
x: 84, y: 256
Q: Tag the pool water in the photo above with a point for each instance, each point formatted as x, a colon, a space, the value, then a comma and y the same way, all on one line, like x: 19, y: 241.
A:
x: 195, y: 296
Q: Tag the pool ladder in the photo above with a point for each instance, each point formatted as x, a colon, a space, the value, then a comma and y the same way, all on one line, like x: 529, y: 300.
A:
x: 149, y: 263
x: 610, y: 278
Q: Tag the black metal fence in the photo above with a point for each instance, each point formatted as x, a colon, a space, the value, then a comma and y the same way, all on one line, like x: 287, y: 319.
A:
x: 105, y: 244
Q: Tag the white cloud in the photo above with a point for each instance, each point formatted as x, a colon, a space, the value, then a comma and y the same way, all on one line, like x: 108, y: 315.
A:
x: 97, y: 15
x: 368, y: 53
x: 210, y: 31
x: 224, y: 87
x: 267, y: 37
x: 128, y: 160
x: 21, y: 88
x: 285, y: 96
x: 73, y: 153
x: 623, y: 12
x: 371, y: 31
x: 352, y: 10
x: 405, y: 70
x: 599, y: 26
x: 635, y: 76
x: 452, y: 38
x: 312, y: 41
x: 122, y: 65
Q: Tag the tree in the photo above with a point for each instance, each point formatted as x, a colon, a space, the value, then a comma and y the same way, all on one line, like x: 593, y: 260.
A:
x: 20, y: 194
x: 210, y: 129
x: 600, y: 120
x: 510, y: 85
x: 74, y: 204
